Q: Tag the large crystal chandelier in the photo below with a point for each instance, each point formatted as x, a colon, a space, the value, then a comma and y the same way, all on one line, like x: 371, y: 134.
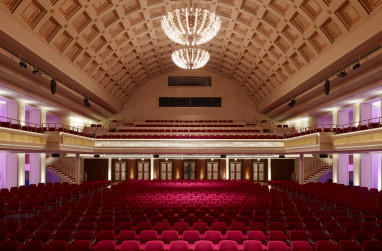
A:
x: 191, y: 25
x: 190, y: 58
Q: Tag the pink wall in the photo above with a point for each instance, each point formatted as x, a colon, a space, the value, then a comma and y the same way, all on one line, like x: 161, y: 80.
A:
x: 53, y: 119
x: 325, y: 120
x: 236, y: 104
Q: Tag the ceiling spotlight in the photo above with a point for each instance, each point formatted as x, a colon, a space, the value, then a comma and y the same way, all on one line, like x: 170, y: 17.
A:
x: 327, y: 87
x: 23, y: 64
x: 342, y: 74
x: 53, y: 86
x: 36, y: 72
x: 356, y: 66
x: 292, y: 103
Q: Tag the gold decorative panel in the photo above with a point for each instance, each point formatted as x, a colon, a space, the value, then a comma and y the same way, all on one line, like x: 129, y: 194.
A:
x: 32, y: 13
x: 49, y: 29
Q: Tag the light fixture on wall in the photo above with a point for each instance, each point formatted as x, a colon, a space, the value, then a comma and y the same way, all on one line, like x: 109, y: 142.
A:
x: 36, y: 72
x: 292, y: 103
x: 190, y: 58
x: 23, y: 64
x: 356, y: 66
x: 190, y: 25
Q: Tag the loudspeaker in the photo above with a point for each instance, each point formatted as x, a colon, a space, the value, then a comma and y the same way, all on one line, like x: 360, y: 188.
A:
x: 53, y: 86
x: 327, y: 87
x: 156, y: 156
x: 96, y: 155
x: 281, y: 156
x: 323, y: 155
x: 86, y: 103
x: 55, y: 155
x: 223, y: 156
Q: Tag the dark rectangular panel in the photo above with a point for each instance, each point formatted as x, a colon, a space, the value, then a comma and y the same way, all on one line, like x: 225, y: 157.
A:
x: 189, y: 81
x: 190, y: 102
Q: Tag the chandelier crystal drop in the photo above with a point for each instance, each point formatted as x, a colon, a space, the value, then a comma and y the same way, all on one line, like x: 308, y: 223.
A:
x: 190, y: 25
x: 190, y: 58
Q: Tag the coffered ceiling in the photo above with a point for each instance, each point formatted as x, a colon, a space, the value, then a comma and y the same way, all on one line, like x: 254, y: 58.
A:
x: 263, y: 45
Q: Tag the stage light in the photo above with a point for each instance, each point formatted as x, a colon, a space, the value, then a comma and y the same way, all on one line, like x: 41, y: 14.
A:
x: 327, y: 87
x: 292, y: 103
x: 356, y: 66
x: 23, y: 64
x: 342, y: 74
x: 36, y: 72
x: 53, y: 86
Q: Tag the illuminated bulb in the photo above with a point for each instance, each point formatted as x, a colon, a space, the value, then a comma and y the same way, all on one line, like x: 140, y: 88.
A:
x: 190, y: 58
x: 191, y: 26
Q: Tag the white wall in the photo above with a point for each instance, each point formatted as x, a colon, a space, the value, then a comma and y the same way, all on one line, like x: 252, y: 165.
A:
x: 144, y: 103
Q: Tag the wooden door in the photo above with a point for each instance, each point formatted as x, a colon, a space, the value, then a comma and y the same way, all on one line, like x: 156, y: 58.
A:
x: 235, y: 171
x: 143, y: 170
x: 212, y: 170
x: 166, y: 170
x: 120, y: 170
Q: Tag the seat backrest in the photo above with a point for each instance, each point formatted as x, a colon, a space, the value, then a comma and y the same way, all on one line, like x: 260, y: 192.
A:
x: 179, y: 246
x: 203, y: 246
x: 130, y: 245
x: 154, y: 246
x: 81, y: 245
x: 191, y: 236
x: 214, y: 236
x: 228, y: 245
x: 252, y: 245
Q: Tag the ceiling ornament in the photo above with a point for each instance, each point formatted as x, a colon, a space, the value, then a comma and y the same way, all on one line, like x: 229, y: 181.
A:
x: 190, y: 58
x: 191, y: 25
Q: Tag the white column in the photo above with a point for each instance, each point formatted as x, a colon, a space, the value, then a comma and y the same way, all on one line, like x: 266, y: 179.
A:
x: 21, y: 114
x: 35, y: 168
x: 379, y: 172
x: 366, y: 170
x: 21, y: 169
x: 77, y: 171
x: 335, y: 168
x: 42, y: 168
x: 11, y: 179
x: 227, y: 168
x: 42, y: 117
x: 301, y: 169
x: 109, y: 169
x: 335, y: 118
x: 269, y: 168
x: 343, y: 169
x: 356, y: 169
x: 356, y: 114
x: 151, y: 168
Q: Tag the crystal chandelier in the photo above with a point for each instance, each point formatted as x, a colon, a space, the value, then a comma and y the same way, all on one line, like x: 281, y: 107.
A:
x: 190, y: 58
x: 191, y: 25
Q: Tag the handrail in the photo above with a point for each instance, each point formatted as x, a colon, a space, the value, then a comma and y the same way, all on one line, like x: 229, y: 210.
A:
x: 344, y: 128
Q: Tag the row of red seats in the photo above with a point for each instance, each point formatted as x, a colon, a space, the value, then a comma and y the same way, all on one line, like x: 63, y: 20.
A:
x: 149, y: 136
x: 189, y: 121
x: 187, y: 130
x: 200, y: 125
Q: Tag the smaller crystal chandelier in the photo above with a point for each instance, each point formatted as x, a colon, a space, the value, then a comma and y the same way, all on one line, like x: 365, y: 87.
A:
x: 191, y: 25
x: 190, y: 58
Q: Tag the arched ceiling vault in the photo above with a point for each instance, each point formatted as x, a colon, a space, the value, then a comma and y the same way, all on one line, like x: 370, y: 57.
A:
x: 118, y: 45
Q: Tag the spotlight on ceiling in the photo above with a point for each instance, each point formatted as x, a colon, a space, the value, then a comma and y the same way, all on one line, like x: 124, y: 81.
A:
x: 53, y: 86
x: 292, y: 103
x: 342, y: 74
x: 23, y: 64
x: 36, y: 72
x: 356, y: 66
x: 327, y: 87
x: 86, y: 103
